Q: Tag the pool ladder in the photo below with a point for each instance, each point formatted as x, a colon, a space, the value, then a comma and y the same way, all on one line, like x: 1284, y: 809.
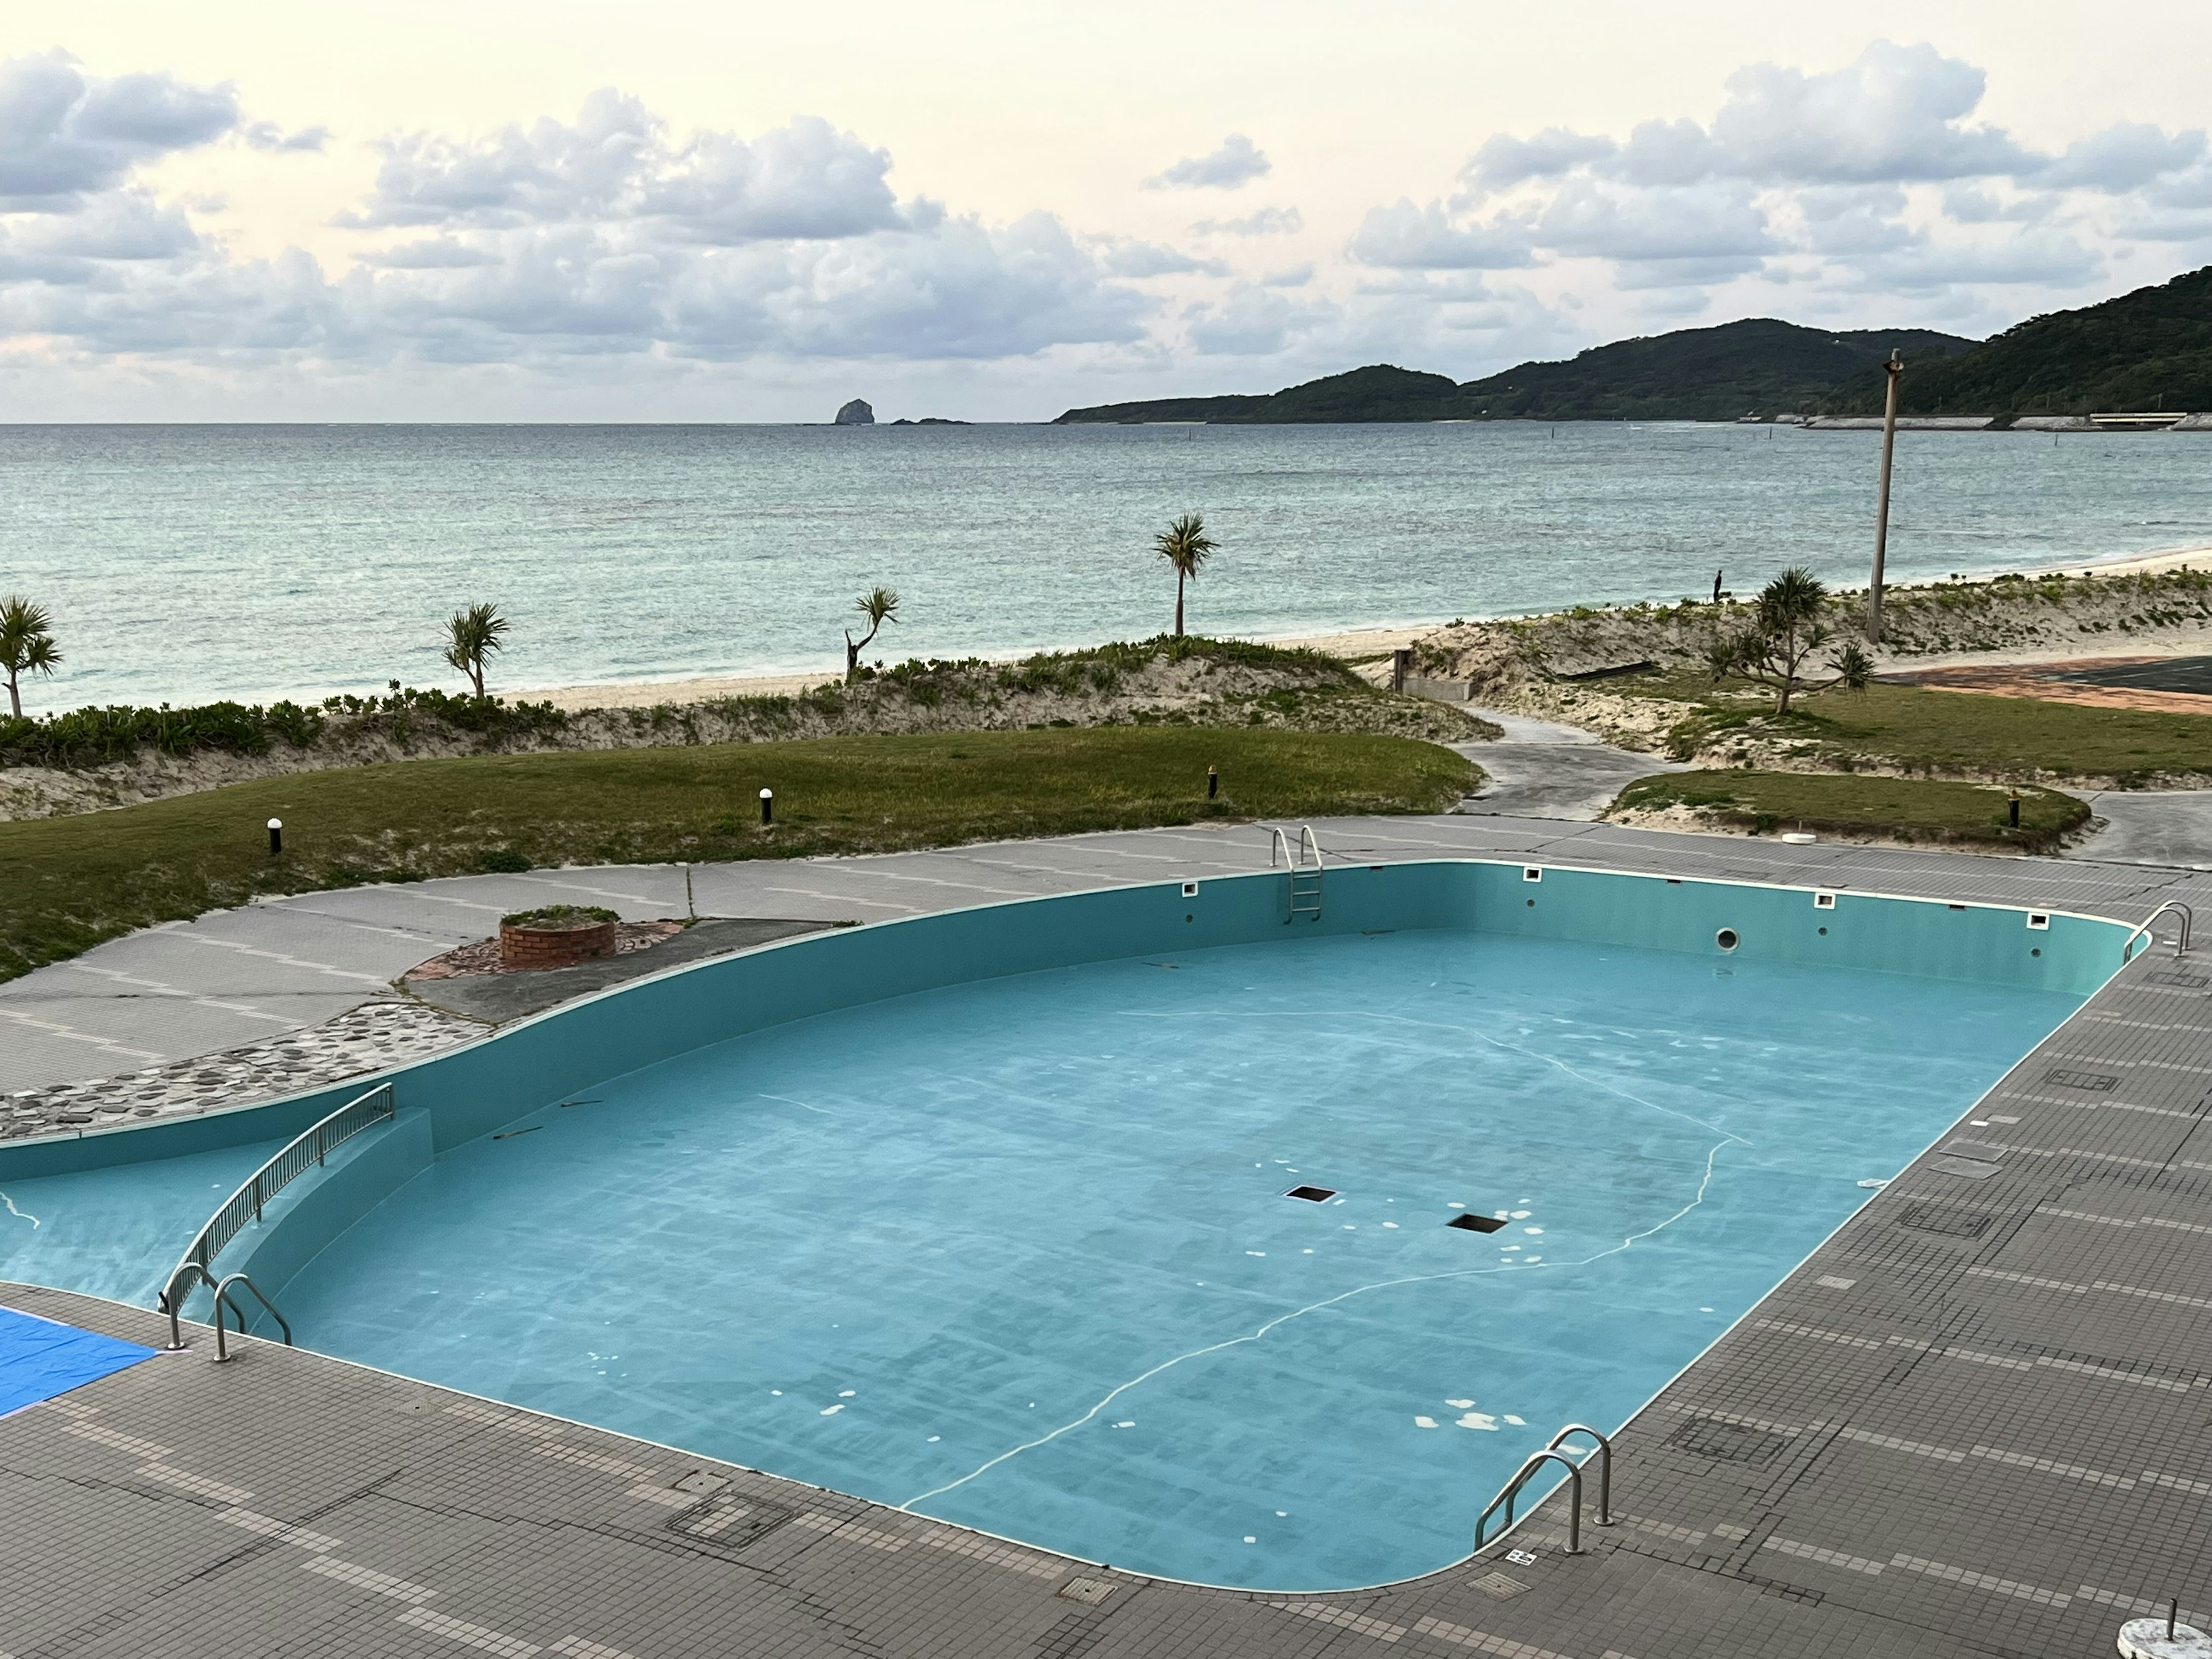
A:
x: 2180, y: 945
x: 1602, y: 1451
x: 1303, y: 860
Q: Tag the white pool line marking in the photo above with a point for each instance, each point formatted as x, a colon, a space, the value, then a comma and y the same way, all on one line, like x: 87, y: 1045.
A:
x: 1344, y: 1295
x: 17, y: 1213
x: 789, y: 1101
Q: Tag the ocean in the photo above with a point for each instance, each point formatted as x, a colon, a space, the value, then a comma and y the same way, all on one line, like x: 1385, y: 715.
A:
x: 185, y: 564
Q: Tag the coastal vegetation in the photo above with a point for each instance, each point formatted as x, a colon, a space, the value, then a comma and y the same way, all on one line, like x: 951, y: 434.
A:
x: 1186, y: 546
x: 27, y: 645
x: 471, y: 635
x: 1882, y: 808
x: 879, y: 606
x: 1760, y: 365
x: 2148, y: 349
x: 1784, y: 632
x: 71, y: 883
x: 108, y: 757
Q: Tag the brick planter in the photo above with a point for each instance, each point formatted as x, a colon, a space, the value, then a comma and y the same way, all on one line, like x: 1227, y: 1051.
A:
x: 554, y: 947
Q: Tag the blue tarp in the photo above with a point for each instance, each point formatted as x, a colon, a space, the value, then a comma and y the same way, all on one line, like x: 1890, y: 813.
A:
x: 42, y: 1358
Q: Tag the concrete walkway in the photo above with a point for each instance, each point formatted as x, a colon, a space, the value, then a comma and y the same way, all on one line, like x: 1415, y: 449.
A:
x: 1545, y: 770
x: 2171, y: 826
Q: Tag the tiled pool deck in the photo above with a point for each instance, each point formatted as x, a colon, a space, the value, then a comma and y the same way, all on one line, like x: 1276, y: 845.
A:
x: 1975, y: 1422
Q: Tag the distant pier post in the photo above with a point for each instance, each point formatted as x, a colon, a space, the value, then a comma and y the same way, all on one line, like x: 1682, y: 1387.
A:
x: 1896, y: 368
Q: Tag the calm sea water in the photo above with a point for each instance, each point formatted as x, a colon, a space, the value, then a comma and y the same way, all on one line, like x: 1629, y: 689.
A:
x: 194, y: 562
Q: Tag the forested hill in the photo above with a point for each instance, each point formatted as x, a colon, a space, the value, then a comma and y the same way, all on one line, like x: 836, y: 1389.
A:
x: 1761, y: 366
x: 2145, y: 350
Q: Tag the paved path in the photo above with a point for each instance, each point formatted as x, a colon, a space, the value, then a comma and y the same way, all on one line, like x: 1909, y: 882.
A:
x: 1972, y: 1423
x: 2171, y: 826
x: 1545, y: 770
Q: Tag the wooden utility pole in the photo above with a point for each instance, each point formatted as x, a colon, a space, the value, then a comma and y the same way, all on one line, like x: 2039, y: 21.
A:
x: 1896, y: 368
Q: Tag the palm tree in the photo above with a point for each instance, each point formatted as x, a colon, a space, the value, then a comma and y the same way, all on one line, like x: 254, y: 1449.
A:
x: 1184, y: 544
x: 1785, y: 630
x: 879, y: 605
x: 473, y: 634
x: 27, y: 644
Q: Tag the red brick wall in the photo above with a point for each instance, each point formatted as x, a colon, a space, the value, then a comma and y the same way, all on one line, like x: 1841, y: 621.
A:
x: 555, y: 947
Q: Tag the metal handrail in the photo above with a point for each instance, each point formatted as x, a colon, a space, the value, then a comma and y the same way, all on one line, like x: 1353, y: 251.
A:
x: 1603, y: 1452
x: 2181, y: 946
x: 171, y: 1302
x: 1278, y: 848
x: 311, y: 1146
x: 1512, y: 1490
x: 222, y: 1300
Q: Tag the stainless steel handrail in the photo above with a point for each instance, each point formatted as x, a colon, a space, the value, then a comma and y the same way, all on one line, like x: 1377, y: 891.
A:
x: 2181, y: 946
x: 1512, y: 1490
x: 1603, y: 1452
x: 222, y: 1300
x: 171, y: 1302
x: 1306, y: 898
x: 312, y: 1146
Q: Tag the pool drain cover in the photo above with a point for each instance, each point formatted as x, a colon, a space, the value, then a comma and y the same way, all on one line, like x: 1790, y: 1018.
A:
x: 728, y: 1523
x: 1726, y: 1442
x: 1498, y: 1584
x: 1475, y: 1223
x: 1950, y: 1224
x: 2096, y: 1083
x: 1312, y: 1194
x: 2187, y: 981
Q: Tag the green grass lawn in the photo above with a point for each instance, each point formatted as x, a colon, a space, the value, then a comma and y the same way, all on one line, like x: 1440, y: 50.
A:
x: 67, y: 883
x: 1960, y: 731
x: 1906, y: 808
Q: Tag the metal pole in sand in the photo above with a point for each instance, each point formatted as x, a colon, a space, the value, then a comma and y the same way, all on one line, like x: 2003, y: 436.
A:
x: 1896, y: 368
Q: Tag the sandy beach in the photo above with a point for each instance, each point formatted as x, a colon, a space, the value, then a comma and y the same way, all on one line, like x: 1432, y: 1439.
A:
x: 1353, y: 643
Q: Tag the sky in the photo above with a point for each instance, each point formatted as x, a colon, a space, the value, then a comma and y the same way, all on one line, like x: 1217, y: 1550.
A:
x: 678, y: 210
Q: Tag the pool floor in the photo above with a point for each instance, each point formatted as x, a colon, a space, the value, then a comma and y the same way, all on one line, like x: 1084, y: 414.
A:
x: 1016, y: 1254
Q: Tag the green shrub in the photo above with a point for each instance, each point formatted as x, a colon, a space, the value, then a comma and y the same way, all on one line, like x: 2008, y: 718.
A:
x: 560, y: 915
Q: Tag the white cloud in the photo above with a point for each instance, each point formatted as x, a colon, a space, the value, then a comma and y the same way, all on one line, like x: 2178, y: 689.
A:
x: 1126, y: 256
x: 1296, y: 276
x: 1897, y: 113
x: 557, y: 246
x: 1505, y: 161
x: 2122, y: 158
x: 1404, y: 237
x: 1252, y: 322
x: 65, y: 135
x: 1233, y: 165
x: 269, y: 137
x: 1266, y: 221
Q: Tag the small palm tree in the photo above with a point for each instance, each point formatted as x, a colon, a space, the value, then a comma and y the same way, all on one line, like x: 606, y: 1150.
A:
x: 27, y: 644
x: 1785, y: 631
x: 473, y: 634
x: 879, y: 605
x: 1184, y: 544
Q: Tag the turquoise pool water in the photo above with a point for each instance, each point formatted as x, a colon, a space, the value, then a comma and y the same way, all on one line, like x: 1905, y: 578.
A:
x: 1016, y: 1253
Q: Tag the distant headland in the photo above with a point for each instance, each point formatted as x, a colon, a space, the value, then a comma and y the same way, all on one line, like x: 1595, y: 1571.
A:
x: 2148, y: 352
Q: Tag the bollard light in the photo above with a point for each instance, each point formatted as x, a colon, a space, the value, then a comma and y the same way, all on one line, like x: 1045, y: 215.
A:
x: 1212, y: 783
x: 2014, y: 805
x: 768, y: 806
x: 276, y: 838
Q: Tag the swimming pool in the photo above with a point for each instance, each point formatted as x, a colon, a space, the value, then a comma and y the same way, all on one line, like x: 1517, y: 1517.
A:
x: 1016, y: 1251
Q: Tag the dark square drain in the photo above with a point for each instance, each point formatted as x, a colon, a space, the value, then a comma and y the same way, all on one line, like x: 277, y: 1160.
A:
x: 1951, y: 1223
x: 1312, y: 1194
x: 1476, y: 1224
x: 2097, y: 1082
x: 1726, y: 1442
x: 728, y: 1523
